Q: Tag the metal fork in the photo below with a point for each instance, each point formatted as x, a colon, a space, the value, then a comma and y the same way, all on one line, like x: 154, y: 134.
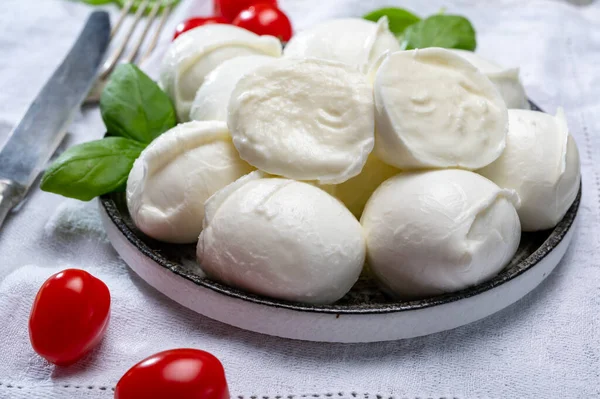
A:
x: 112, y: 61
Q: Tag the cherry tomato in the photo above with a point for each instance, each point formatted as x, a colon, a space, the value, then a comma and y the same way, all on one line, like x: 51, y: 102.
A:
x: 176, y: 373
x: 195, y: 22
x: 231, y: 8
x: 265, y: 19
x: 69, y: 316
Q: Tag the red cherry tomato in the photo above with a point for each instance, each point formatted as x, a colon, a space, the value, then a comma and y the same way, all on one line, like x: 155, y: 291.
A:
x: 195, y: 22
x: 69, y: 316
x: 176, y: 373
x: 265, y: 19
x: 231, y: 8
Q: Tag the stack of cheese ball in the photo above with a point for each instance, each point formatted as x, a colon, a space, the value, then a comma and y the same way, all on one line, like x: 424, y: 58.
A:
x: 292, y: 169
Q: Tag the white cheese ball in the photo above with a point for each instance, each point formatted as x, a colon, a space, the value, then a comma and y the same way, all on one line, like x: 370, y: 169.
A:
x: 355, y: 192
x: 212, y: 98
x: 195, y: 53
x: 541, y: 163
x: 436, y: 110
x: 283, y: 239
x: 353, y: 41
x: 440, y: 231
x: 506, y: 79
x: 175, y: 174
x: 304, y: 119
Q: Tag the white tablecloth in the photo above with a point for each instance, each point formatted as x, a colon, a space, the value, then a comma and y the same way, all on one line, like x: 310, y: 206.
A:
x: 545, y: 346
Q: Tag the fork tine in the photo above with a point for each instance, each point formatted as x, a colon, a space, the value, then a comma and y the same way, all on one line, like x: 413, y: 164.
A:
x: 124, y: 12
x: 138, y: 44
x: 110, y: 64
x: 165, y: 15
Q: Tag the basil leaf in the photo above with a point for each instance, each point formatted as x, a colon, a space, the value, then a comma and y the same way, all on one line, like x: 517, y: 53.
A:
x: 91, y: 169
x: 448, y: 31
x: 399, y: 19
x: 133, y: 106
x: 97, y: 2
x: 136, y: 3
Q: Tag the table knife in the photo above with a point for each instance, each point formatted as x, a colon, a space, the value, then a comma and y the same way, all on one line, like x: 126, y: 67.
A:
x: 38, y: 134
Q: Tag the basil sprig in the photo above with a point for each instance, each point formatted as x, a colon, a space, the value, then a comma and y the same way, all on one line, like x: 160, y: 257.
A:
x: 135, y: 111
x: 448, y: 31
x: 439, y: 30
x: 133, y: 106
x: 91, y: 169
x: 135, y: 5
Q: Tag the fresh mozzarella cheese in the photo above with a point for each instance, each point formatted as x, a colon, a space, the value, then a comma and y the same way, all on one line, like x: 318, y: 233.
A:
x: 281, y: 238
x: 433, y: 232
x: 506, y: 79
x: 213, y: 96
x: 355, y: 192
x: 541, y: 163
x: 436, y: 110
x: 304, y: 119
x: 194, y: 54
x: 353, y: 41
x: 175, y: 174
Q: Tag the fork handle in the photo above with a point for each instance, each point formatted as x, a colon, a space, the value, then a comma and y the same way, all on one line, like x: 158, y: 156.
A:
x: 11, y: 194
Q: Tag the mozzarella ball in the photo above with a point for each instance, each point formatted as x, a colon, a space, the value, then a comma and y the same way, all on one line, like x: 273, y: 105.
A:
x: 506, y: 80
x: 212, y: 98
x: 194, y: 54
x: 175, y: 175
x: 355, y: 192
x: 353, y: 41
x: 541, y: 163
x: 440, y: 231
x: 304, y: 119
x: 281, y: 238
x: 435, y: 110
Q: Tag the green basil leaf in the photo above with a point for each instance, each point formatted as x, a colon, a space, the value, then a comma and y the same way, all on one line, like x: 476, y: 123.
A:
x: 136, y: 4
x: 133, y: 106
x: 399, y: 19
x: 448, y: 31
x: 97, y: 2
x: 91, y: 169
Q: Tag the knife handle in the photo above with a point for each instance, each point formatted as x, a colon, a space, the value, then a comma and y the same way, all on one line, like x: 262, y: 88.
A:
x: 11, y: 194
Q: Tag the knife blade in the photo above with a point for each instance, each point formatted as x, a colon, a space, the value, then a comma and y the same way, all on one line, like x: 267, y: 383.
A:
x: 38, y: 134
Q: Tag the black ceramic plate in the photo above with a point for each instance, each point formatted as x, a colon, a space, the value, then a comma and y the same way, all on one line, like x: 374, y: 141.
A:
x: 364, y: 299
x: 365, y: 296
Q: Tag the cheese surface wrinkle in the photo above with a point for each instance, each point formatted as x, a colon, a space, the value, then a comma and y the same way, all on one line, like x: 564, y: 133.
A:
x: 436, y: 110
x: 353, y: 41
x: 281, y: 238
x: 439, y: 231
x: 176, y: 174
x: 541, y: 163
x: 195, y: 53
x: 304, y: 119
